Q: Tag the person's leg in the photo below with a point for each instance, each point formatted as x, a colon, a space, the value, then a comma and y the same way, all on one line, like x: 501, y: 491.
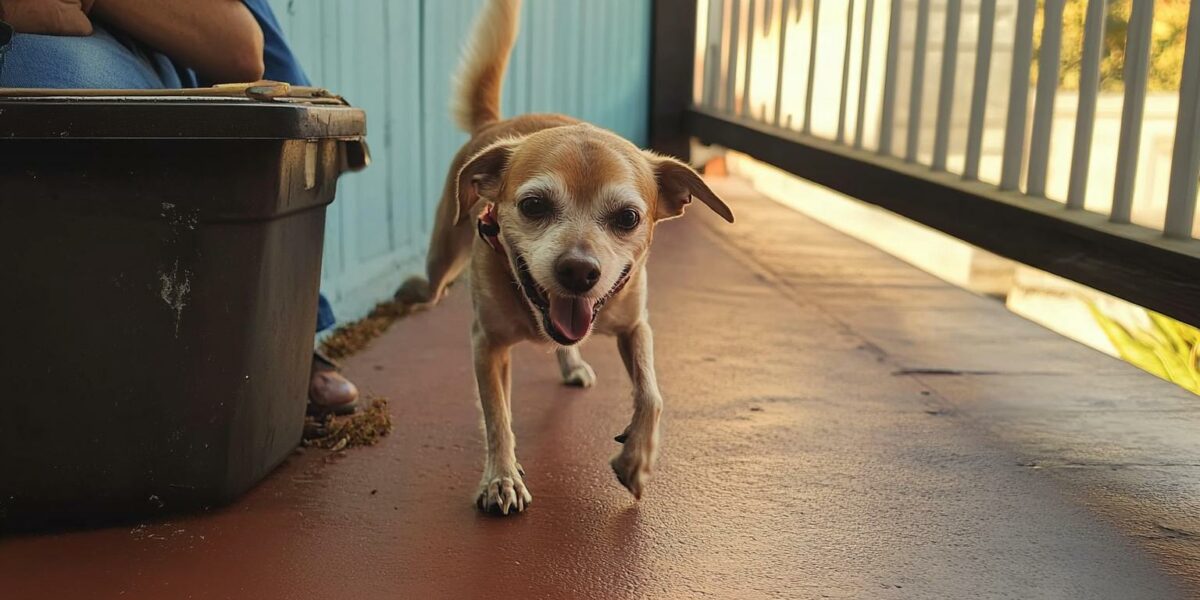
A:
x: 325, y: 318
x: 105, y: 59
x: 328, y: 389
x: 281, y: 64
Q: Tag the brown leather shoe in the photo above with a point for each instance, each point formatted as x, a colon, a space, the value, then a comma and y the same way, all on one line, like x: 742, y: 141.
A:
x: 328, y: 390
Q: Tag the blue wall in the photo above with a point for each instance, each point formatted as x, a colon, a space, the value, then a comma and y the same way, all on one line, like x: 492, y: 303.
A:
x: 394, y: 58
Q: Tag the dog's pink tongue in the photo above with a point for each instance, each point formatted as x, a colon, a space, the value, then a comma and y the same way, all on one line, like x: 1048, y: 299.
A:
x: 572, y: 317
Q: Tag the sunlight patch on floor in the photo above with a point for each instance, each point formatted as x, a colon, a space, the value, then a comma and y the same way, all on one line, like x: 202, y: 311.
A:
x: 1053, y: 302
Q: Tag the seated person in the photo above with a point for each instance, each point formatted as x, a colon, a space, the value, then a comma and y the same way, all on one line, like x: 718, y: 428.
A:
x: 148, y: 44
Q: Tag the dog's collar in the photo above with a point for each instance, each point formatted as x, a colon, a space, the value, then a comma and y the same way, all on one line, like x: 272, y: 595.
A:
x: 489, y: 228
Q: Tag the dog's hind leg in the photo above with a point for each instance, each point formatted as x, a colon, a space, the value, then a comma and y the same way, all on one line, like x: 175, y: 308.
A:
x: 449, y: 253
x: 575, y: 371
x: 640, y: 438
x: 502, y: 486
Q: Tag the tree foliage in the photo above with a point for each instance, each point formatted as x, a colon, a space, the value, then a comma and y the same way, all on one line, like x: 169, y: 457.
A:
x: 1166, y: 47
x: 1163, y: 346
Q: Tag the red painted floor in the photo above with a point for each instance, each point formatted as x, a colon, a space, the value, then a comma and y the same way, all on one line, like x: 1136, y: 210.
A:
x: 800, y: 459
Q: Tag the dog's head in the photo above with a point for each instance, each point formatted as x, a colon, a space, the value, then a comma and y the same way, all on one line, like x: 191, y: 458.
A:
x: 577, y: 206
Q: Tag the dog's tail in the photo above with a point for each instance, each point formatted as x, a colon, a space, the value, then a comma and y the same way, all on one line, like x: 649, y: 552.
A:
x: 480, y: 75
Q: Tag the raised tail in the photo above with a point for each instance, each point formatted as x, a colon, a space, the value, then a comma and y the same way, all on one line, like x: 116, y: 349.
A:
x: 480, y: 75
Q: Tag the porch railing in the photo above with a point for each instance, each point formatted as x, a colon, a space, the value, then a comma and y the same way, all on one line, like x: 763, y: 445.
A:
x: 924, y: 107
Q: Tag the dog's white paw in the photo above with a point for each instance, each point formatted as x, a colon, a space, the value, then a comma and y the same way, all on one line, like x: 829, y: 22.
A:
x: 503, y: 491
x: 633, y: 465
x: 580, y: 375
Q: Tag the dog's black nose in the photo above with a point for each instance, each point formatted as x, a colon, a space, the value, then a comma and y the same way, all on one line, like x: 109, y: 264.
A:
x: 577, y: 274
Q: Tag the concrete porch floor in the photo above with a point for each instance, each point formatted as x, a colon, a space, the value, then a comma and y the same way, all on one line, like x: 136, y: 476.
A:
x: 838, y: 424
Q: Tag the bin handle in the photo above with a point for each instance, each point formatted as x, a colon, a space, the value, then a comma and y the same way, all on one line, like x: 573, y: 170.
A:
x: 357, y: 155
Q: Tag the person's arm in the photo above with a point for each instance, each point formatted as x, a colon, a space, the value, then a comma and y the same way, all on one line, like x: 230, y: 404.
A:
x: 48, y: 17
x: 218, y: 38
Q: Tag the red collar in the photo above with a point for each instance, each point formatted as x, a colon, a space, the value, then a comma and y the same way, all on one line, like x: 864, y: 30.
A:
x: 489, y: 228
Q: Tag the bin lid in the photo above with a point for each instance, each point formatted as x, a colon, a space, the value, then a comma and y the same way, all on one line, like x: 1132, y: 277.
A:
x: 260, y: 110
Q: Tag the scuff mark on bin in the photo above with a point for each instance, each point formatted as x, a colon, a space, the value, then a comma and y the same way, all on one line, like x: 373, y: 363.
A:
x: 179, y: 220
x: 174, y: 290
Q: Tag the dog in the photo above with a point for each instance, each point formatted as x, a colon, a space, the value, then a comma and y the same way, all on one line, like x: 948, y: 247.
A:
x: 554, y: 217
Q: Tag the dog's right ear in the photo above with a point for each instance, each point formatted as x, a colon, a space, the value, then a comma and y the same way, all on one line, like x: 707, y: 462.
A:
x: 481, y: 176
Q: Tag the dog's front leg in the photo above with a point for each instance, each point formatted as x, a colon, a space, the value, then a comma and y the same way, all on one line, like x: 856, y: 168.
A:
x: 501, y: 487
x: 640, y: 438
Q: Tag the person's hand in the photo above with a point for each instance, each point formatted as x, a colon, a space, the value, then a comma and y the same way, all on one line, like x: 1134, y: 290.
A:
x: 49, y: 17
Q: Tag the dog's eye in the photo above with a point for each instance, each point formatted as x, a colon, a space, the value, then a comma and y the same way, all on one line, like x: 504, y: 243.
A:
x: 535, y: 207
x: 627, y: 219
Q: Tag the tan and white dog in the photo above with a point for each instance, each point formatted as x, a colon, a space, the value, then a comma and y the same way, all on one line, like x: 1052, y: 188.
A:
x: 555, y: 218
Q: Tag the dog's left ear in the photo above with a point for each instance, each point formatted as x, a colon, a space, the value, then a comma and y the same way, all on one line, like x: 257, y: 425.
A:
x: 480, y: 178
x: 677, y: 185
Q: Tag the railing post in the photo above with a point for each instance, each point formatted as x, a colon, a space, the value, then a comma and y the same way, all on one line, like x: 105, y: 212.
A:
x: 941, y: 139
x: 712, y: 52
x: 1085, y: 118
x: 887, y: 112
x: 917, y: 90
x: 979, y: 91
x: 785, y: 6
x: 751, y: 33
x: 841, y: 123
x: 863, y: 74
x: 731, y: 57
x: 812, y: 67
x: 671, y: 71
x: 1047, y: 88
x: 1018, y: 97
x: 1185, y: 158
x: 1137, y: 72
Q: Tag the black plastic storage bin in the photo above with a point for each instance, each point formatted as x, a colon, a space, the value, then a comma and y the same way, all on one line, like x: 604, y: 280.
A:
x: 159, y: 267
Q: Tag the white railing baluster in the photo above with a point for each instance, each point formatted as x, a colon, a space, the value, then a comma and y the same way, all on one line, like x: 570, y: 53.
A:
x: 1185, y: 158
x: 1137, y: 71
x: 917, y: 90
x: 751, y: 34
x: 941, y: 139
x: 1047, y: 88
x: 1085, y: 117
x: 979, y: 90
x: 860, y: 115
x: 841, y: 124
x: 731, y: 54
x: 812, y: 67
x: 1018, y: 97
x: 712, y: 52
x: 785, y: 5
x: 887, y: 113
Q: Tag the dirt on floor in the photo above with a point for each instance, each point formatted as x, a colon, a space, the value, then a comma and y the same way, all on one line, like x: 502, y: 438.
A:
x: 354, y: 336
x: 363, y: 428
x: 366, y: 426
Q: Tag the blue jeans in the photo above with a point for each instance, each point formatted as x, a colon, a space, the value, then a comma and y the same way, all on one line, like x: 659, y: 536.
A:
x: 110, y: 59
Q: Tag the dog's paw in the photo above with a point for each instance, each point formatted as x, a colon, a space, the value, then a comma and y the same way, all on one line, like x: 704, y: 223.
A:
x: 503, y: 492
x: 633, y: 465
x: 580, y: 375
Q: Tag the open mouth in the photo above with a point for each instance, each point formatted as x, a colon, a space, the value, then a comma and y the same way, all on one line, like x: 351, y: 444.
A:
x: 566, y: 319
